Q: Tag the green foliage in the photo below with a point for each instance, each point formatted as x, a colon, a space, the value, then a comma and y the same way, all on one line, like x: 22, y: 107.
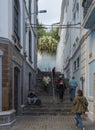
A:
x: 47, y: 44
x: 47, y: 41
x: 54, y: 33
x: 41, y: 31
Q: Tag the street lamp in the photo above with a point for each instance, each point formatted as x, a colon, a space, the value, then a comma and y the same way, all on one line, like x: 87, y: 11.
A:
x: 34, y: 13
x: 40, y: 11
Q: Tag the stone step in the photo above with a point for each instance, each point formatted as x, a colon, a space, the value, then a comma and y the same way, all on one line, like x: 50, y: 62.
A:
x: 47, y: 111
x: 50, y: 103
x: 48, y: 108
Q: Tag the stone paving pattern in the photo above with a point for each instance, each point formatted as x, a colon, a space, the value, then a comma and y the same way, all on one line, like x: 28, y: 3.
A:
x: 49, y: 122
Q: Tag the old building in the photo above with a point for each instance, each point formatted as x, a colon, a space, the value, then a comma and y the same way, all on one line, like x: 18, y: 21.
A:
x: 89, y: 38
x: 77, y: 46
x: 18, y: 55
x: 70, y: 35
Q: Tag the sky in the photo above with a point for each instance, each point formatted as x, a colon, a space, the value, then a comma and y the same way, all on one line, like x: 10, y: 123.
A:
x: 53, y: 8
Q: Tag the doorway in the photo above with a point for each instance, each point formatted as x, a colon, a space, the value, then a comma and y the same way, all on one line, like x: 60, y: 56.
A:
x: 16, y: 87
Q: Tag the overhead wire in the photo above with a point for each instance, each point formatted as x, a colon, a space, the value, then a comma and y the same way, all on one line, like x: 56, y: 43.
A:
x: 56, y: 26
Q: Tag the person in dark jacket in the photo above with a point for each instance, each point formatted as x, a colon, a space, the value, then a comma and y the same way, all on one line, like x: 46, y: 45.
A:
x: 80, y: 106
x: 33, y: 99
x: 61, y: 86
x: 53, y: 72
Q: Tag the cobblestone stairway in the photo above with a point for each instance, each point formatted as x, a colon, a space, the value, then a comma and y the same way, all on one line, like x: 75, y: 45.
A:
x: 49, y: 109
x: 50, y: 102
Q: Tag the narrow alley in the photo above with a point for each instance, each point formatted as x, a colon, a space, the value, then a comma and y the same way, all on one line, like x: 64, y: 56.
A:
x: 52, y: 115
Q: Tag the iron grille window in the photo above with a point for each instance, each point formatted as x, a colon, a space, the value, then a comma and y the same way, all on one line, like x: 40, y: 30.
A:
x: 30, y: 10
x: 16, y: 11
x: 78, y: 62
x: 74, y: 65
x: 30, y: 46
x: 30, y: 80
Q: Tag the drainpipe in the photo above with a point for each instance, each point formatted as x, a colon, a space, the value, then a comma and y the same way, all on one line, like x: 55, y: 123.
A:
x: 82, y: 82
x: 1, y: 54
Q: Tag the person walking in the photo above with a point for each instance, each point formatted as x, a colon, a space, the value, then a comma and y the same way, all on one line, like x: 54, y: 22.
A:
x: 80, y: 106
x: 46, y: 80
x: 53, y: 72
x: 72, y: 86
x: 61, y: 86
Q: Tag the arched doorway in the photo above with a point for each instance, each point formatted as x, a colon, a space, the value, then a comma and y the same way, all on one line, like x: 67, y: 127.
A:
x: 16, y: 87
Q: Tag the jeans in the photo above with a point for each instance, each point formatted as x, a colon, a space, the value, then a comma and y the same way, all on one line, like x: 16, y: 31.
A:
x: 79, y: 120
x: 72, y: 93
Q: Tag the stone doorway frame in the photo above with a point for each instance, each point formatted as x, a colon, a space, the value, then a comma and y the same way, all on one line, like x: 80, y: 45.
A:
x: 94, y: 97
x: 1, y: 54
x: 16, y: 86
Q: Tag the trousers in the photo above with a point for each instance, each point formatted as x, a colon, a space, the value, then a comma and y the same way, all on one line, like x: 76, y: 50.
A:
x: 72, y: 93
x: 79, y: 120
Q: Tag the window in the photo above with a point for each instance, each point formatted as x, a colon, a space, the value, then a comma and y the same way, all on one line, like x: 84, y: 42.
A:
x: 30, y: 83
x: 74, y: 15
x: 30, y: 47
x: 74, y: 65
x: 16, y: 17
x: 91, y: 42
x: 77, y: 7
x: 16, y: 35
x: 78, y: 62
x: 30, y: 10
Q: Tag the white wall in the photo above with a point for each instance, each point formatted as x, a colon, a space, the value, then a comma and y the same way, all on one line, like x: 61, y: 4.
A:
x: 4, y: 18
x: 46, y: 62
x: 7, y: 20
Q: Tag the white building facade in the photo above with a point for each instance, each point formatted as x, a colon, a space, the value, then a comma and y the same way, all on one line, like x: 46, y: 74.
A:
x: 77, y: 51
x: 89, y: 24
x: 18, y: 55
x: 70, y: 35
x: 46, y: 62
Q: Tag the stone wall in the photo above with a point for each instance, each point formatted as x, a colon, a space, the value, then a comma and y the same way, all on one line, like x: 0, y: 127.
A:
x: 10, y: 54
x: 5, y: 78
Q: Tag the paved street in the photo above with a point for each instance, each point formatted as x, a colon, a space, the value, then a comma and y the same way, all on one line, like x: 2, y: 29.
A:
x: 48, y: 122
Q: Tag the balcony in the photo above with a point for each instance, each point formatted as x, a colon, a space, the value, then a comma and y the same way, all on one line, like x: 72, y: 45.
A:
x: 89, y: 14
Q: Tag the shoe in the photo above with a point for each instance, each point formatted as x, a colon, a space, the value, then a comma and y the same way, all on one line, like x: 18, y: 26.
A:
x: 83, y: 128
x: 71, y: 100
x: 76, y: 125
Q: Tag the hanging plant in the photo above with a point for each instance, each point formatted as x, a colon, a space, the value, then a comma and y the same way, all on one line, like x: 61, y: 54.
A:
x: 47, y: 44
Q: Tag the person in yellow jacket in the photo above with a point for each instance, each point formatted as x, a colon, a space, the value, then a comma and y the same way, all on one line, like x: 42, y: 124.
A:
x: 80, y: 106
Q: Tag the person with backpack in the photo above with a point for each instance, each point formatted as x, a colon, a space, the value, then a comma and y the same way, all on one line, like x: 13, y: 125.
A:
x: 53, y: 72
x: 61, y: 86
x: 32, y: 98
x: 80, y: 106
x: 72, y: 87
